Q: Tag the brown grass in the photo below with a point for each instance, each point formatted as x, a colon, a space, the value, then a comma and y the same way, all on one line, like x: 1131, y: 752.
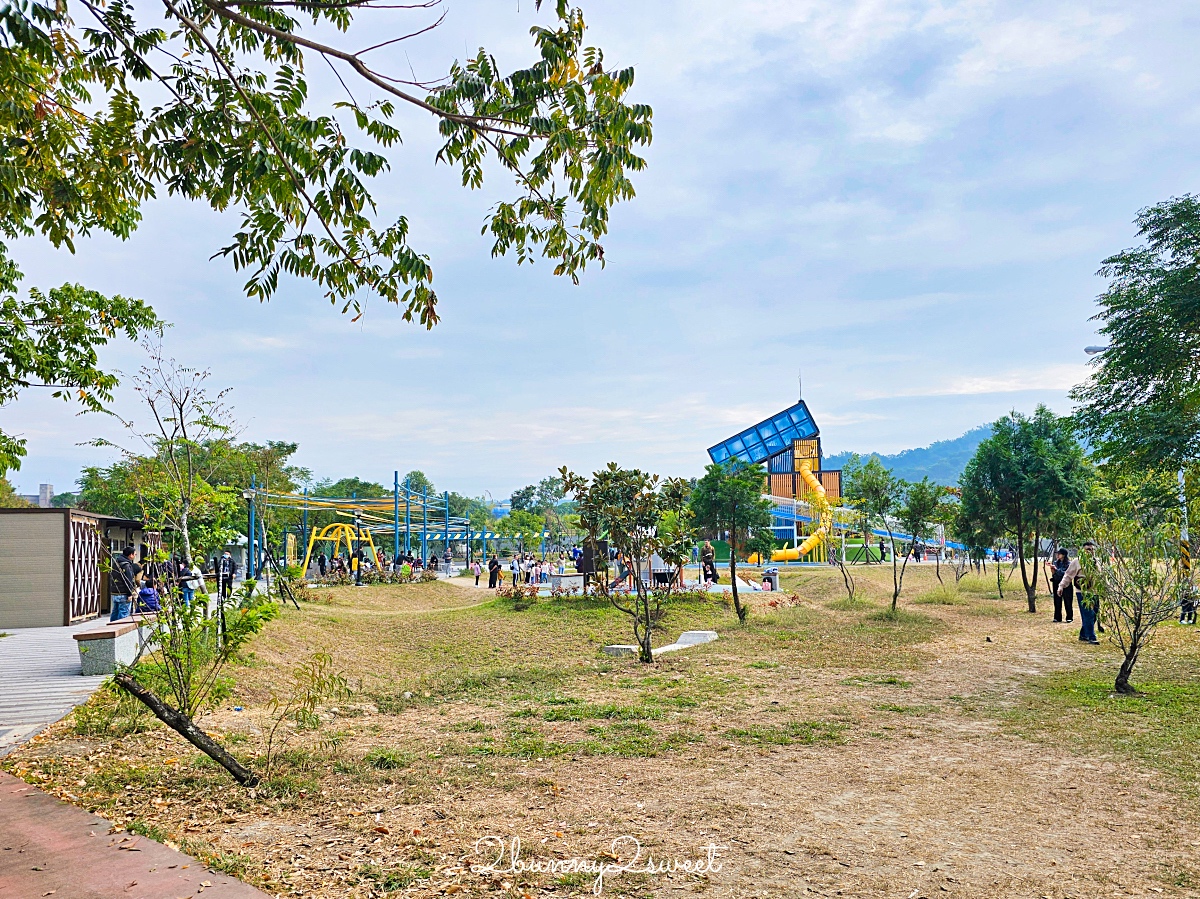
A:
x: 824, y: 745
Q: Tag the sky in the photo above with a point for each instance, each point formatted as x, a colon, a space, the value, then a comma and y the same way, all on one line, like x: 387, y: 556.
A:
x: 904, y: 202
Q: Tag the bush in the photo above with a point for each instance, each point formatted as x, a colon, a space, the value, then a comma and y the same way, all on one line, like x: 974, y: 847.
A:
x: 944, y: 595
x: 386, y: 759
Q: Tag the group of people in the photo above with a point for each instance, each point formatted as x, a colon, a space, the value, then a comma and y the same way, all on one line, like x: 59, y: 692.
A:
x: 134, y: 587
x: 405, y: 561
x: 1070, y: 585
x: 523, y: 568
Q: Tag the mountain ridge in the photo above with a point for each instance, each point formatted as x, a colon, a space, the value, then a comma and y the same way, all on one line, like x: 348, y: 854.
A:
x: 942, y: 461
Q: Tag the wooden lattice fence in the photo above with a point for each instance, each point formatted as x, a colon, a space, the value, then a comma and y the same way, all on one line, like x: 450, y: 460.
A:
x: 85, y: 548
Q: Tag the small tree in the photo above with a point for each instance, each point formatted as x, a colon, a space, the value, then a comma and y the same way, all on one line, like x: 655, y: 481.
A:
x: 627, y: 506
x: 1136, y: 575
x: 925, y: 507
x: 730, y: 498
x: 761, y: 545
x: 184, y: 421
x: 874, y: 491
x: 191, y: 653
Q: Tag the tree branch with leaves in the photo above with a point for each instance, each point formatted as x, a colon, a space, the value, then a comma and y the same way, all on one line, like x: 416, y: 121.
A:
x: 105, y: 112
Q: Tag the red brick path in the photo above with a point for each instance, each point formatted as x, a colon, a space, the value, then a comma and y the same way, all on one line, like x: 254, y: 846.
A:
x: 52, y: 850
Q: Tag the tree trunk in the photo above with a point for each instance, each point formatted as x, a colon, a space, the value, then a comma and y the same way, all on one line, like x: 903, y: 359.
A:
x: 645, y: 648
x: 895, y: 580
x: 847, y: 580
x: 186, y: 728
x: 737, y: 605
x: 187, y: 540
x: 1030, y: 594
x: 1122, y: 685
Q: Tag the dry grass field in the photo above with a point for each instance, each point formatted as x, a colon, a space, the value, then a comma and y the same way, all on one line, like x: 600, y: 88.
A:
x: 962, y: 748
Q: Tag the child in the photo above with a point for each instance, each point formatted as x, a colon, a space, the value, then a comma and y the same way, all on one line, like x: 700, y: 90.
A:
x: 147, y: 598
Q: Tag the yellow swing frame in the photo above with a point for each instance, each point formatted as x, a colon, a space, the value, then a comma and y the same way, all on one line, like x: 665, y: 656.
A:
x: 335, y: 533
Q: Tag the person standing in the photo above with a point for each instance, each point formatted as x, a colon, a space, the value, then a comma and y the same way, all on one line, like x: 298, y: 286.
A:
x: 493, y: 572
x: 191, y: 580
x: 476, y: 570
x: 226, y: 570
x: 1065, y: 597
x: 515, y: 568
x: 123, y: 584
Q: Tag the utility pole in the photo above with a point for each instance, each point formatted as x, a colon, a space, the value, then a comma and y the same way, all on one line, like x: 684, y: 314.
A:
x: 251, y: 536
x: 407, y: 517
x: 356, y: 558
x: 1185, y: 549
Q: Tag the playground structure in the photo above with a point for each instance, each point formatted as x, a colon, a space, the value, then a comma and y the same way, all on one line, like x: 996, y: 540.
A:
x: 412, y: 521
x: 823, y: 516
x: 355, y: 538
x: 805, y: 499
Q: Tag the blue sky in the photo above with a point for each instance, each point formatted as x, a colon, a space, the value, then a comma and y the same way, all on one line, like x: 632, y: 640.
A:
x: 906, y: 200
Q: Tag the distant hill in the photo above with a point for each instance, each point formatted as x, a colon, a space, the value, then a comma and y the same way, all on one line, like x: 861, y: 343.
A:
x: 942, y: 462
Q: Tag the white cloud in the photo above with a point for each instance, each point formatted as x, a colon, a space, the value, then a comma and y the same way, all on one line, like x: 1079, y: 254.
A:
x: 1058, y: 378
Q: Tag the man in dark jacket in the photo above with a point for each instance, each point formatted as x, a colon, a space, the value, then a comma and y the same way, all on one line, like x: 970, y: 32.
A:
x: 226, y: 569
x: 123, y: 584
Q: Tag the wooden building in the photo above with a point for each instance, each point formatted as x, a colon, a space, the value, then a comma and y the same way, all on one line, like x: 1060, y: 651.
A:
x: 54, y: 563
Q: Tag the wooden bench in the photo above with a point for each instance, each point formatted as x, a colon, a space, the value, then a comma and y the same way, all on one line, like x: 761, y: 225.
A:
x: 111, y: 643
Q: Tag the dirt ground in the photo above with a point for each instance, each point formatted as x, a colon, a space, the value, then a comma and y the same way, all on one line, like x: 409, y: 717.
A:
x: 819, y: 751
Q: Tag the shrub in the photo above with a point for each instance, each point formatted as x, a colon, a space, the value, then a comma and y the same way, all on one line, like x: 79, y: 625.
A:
x: 386, y: 759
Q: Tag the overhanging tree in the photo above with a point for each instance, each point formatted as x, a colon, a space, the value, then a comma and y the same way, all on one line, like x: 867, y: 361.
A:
x: 104, y: 110
x: 1024, y: 481
x: 50, y: 340
x: 729, y: 498
x: 1141, y: 405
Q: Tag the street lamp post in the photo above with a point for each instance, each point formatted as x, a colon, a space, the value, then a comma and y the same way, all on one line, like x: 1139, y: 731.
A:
x: 248, y: 495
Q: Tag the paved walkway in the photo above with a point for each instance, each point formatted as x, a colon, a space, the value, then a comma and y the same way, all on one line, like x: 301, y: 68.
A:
x: 49, y: 848
x: 39, y: 680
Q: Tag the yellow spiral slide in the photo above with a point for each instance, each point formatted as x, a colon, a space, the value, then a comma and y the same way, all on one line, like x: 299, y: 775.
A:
x: 822, y: 512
